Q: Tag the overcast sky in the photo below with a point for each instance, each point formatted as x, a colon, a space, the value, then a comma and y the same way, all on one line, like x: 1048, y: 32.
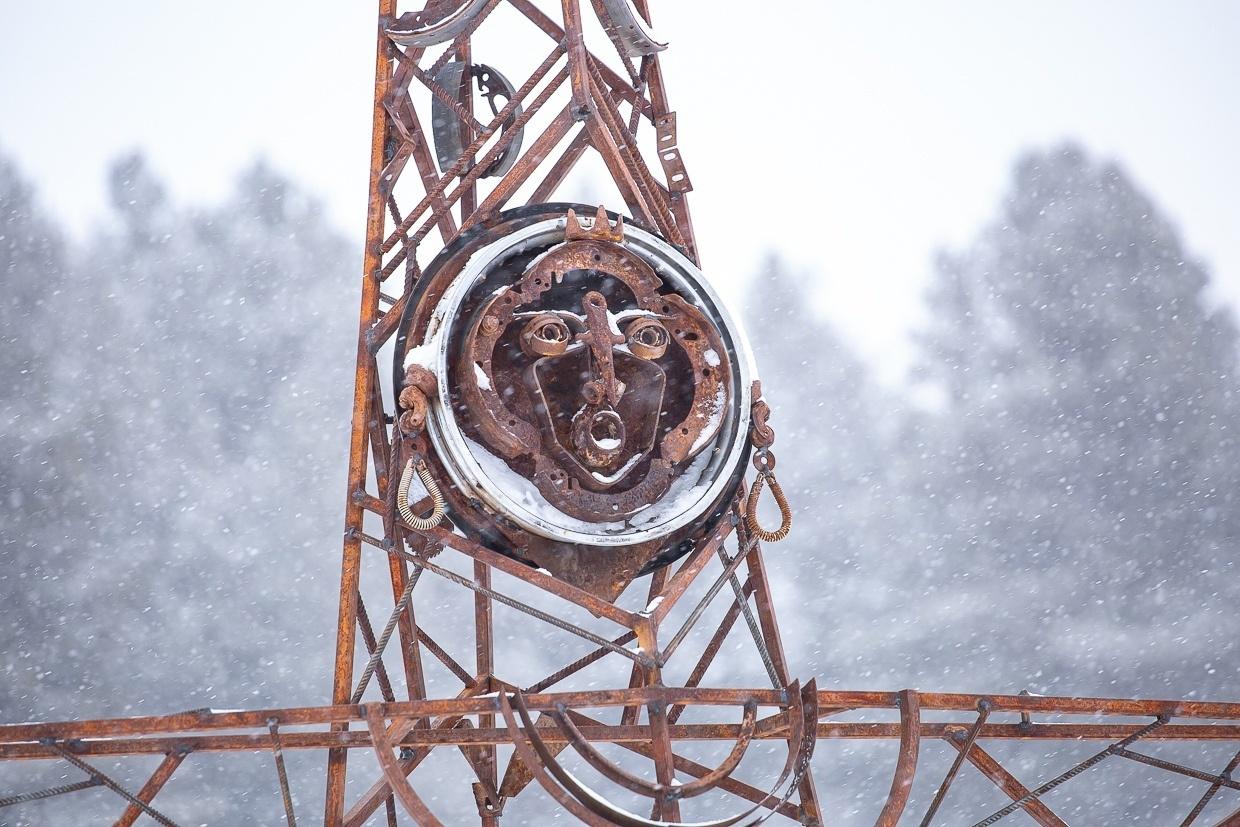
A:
x: 913, y: 112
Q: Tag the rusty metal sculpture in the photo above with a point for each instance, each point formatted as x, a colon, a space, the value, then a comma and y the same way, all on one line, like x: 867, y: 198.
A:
x: 595, y: 410
x: 578, y: 408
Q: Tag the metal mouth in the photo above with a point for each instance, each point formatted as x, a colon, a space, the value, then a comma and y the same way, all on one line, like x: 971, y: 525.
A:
x: 599, y: 436
x: 581, y: 438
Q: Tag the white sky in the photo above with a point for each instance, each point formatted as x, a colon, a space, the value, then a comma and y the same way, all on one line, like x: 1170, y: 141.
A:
x: 915, y: 112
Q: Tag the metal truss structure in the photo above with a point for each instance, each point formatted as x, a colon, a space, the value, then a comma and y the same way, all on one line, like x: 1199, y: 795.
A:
x: 457, y: 183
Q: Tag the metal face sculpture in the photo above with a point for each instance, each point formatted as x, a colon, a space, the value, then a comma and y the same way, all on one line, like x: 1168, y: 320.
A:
x: 592, y: 397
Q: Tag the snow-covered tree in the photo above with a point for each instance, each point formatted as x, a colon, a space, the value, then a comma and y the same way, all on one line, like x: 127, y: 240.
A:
x: 175, y: 409
x: 39, y: 447
x: 224, y: 360
x: 1089, y: 429
x: 175, y: 397
x: 844, y: 448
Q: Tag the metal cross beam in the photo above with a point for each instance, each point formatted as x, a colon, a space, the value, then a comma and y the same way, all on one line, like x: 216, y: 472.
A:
x: 420, y: 726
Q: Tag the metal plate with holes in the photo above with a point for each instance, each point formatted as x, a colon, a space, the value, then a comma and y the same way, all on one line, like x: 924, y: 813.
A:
x: 439, y: 22
x: 622, y: 21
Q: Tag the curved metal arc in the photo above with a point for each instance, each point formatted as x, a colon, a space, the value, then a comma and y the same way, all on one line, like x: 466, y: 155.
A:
x: 441, y: 31
x: 623, y: 21
x: 803, y: 712
x: 653, y: 790
x: 597, y: 760
x: 397, y: 782
x: 707, y: 782
x: 535, y: 757
x: 806, y: 733
x: 906, y: 764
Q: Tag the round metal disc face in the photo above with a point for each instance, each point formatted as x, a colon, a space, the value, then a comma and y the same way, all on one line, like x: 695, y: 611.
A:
x: 592, y: 388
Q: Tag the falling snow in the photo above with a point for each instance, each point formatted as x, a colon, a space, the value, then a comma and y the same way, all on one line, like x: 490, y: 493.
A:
x: 1051, y: 502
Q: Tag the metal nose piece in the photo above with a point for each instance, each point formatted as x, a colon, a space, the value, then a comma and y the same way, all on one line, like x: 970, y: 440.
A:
x: 601, y: 339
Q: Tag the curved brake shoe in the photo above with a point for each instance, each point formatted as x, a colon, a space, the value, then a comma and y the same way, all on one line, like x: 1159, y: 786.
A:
x: 622, y: 21
x: 420, y: 29
x: 446, y: 126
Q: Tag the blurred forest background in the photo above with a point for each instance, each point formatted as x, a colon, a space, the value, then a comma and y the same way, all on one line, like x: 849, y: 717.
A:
x: 1051, y: 503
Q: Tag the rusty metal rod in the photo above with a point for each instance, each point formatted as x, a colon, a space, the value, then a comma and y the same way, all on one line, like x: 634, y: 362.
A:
x: 368, y: 637
x: 1011, y: 786
x: 525, y: 608
x: 467, y: 117
x: 552, y: 30
x: 158, y: 743
x: 1092, y: 761
x: 578, y: 665
x: 729, y: 571
x: 484, y: 135
x: 742, y: 603
x: 346, y: 620
x: 1169, y: 766
x: 384, y: 637
x: 983, y: 712
x: 443, y: 657
x: 445, y: 203
x: 106, y: 781
x: 712, y: 648
x: 277, y: 752
x: 560, y: 588
x: 208, y: 719
x: 1210, y: 793
x: 49, y: 792
x: 161, y: 776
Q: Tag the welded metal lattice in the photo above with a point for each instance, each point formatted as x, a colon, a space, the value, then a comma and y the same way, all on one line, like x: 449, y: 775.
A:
x: 437, y: 197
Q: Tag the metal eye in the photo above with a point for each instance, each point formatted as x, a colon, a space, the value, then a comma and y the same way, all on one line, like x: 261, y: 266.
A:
x: 545, y: 335
x: 647, y: 338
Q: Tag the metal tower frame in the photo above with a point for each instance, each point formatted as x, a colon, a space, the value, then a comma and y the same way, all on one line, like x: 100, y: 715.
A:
x: 578, y: 102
